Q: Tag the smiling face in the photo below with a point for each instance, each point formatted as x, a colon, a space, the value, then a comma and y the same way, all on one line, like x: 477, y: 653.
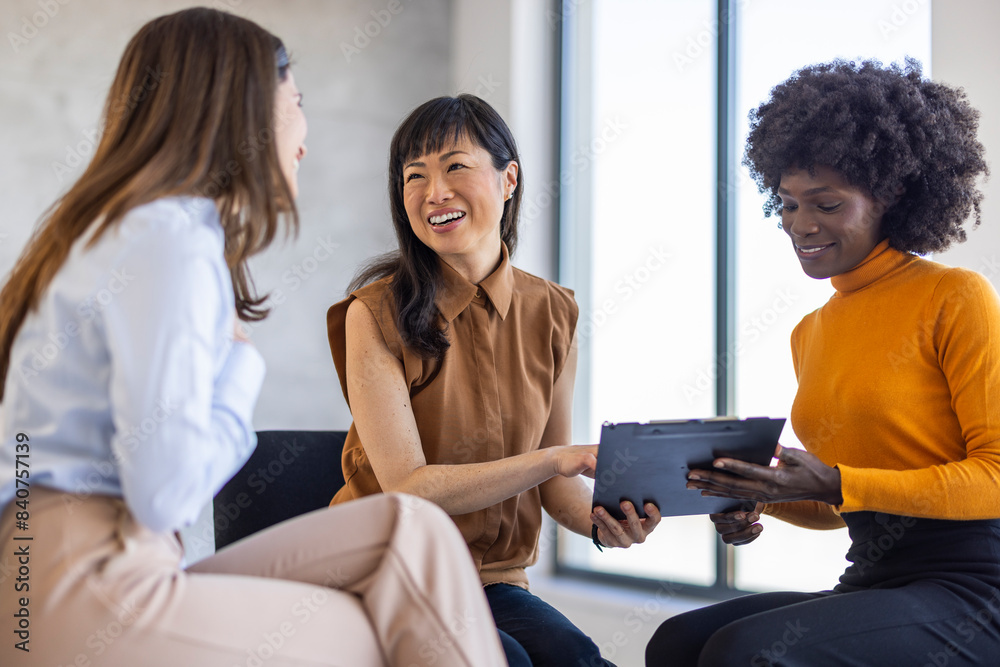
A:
x: 289, y: 131
x: 833, y: 225
x: 454, y: 201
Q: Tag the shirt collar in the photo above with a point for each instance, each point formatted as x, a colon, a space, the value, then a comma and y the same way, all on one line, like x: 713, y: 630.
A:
x: 456, y: 293
x: 880, y: 262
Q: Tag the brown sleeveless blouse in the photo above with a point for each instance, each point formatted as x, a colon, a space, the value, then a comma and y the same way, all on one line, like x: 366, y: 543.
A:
x: 488, y: 398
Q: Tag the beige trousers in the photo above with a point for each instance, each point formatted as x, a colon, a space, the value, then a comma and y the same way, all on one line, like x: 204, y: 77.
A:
x: 382, y: 580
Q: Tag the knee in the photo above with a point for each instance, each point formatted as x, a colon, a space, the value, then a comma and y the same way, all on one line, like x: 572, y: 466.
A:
x: 416, y: 514
x: 675, y: 642
x: 514, y: 652
x: 410, y: 508
x: 692, y: 639
x: 742, y: 643
x: 570, y: 646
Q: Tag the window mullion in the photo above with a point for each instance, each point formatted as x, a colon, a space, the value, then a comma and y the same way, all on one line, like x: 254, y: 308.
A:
x: 725, y: 293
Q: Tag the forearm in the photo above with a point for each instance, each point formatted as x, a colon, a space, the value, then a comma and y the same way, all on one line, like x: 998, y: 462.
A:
x: 961, y: 490
x: 806, y: 514
x: 464, y: 488
x: 569, y: 501
x: 169, y: 472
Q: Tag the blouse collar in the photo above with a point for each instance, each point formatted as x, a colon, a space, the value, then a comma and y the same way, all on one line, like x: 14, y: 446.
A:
x: 456, y: 293
x: 880, y: 262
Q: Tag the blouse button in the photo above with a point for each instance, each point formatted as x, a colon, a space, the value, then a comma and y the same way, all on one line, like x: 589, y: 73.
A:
x: 478, y: 292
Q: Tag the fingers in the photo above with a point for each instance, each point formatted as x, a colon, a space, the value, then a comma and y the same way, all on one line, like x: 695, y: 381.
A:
x: 591, y: 460
x: 608, y: 528
x: 633, y: 530
x: 572, y: 460
x: 632, y: 524
x: 727, y: 522
x: 725, y: 485
x: 652, y: 517
x: 788, y: 455
x: 794, y: 457
x: 738, y: 527
x: 743, y: 469
x: 746, y: 536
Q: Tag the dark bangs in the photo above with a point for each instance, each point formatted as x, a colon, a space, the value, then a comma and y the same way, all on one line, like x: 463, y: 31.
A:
x: 443, y: 121
x: 439, y: 123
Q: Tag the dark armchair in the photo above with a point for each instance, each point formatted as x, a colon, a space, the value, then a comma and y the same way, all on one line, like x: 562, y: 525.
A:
x: 290, y: 473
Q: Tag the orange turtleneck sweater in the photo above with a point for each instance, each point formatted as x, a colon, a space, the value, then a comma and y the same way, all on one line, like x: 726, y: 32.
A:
x: 899, y: 387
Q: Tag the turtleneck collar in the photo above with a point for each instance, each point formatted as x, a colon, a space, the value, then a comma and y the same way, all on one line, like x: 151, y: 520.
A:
x: 880, y: 262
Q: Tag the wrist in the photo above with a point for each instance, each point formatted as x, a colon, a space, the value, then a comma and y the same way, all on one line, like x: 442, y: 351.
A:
x: 834, y: 495
x: 551, y: 455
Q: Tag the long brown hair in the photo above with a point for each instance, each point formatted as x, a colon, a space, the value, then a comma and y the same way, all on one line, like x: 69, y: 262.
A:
x: 414, y: 267
x: 191, y: 111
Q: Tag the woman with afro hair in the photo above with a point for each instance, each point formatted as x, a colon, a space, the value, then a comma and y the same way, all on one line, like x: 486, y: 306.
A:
x: 898, y: 385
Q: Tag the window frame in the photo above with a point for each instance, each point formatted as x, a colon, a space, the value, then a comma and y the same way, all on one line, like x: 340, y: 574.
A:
x: 574, y: 229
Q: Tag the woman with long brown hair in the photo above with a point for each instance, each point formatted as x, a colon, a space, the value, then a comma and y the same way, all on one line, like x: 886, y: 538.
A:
x: 128, y: 394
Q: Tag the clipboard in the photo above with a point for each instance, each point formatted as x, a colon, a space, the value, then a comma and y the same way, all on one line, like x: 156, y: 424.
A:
x: 649, y: 462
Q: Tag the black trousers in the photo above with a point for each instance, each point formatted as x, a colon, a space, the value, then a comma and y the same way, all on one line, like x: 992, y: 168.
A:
x: 921, y: 592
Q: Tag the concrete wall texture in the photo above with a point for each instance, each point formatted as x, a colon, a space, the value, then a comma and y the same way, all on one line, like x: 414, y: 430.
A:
x: 361, y: 67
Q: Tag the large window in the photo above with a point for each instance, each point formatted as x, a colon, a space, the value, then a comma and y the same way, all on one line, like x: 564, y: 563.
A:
x: 687, y: 293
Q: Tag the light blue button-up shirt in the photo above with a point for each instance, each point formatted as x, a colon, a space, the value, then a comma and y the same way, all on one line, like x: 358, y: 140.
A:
x: 126, y: 380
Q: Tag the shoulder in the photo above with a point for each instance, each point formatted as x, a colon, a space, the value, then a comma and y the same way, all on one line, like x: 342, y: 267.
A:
x: 533, y: 290
x: 365, y: 310
x: 191, y: 222
x: 804, y: 326
x: 169, y: 235
x: 549, y: 310
x: 377, y: 296
x: 951, y: 285
x: 172, y: 245
x: 965, y: 298
x: 947, y: 278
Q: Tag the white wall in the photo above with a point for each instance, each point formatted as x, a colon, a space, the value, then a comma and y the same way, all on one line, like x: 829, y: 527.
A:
x: 359, y: 78
x: 965, y: 52
x: 360, y: 73
x: 504, y: 51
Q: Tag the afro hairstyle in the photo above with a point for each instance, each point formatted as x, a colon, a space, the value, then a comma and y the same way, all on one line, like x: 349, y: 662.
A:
x: 888, y: 131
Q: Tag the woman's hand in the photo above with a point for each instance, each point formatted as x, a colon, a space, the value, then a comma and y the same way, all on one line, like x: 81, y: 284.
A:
x: 739, y: 527
x: 799, y: 475
x: 573, y: 460
x: 614, y: 533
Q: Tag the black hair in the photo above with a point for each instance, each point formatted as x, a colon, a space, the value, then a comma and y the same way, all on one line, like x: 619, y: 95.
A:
x: 886, y: 130
x: 414, y: 267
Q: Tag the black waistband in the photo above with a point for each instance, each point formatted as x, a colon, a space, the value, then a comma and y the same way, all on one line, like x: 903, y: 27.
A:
x: 891, y: 547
